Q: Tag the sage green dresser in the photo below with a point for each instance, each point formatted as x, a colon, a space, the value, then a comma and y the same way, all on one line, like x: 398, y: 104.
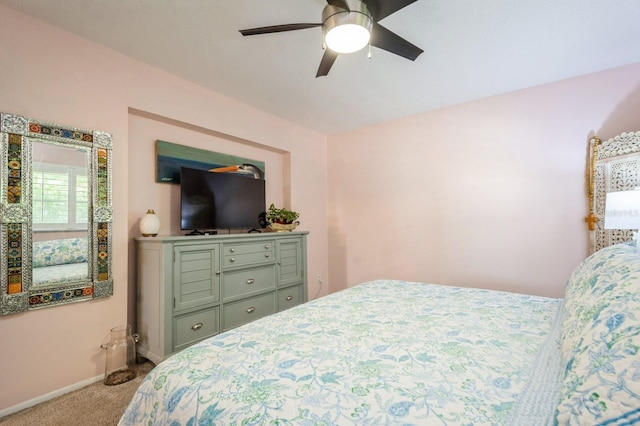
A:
x: 193, y: 287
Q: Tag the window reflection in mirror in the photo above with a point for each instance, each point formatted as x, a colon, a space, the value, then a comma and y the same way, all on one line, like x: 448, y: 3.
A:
x: 60, y: 188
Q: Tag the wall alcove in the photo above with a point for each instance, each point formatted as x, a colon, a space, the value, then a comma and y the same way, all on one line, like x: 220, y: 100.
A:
x: 145, y: 192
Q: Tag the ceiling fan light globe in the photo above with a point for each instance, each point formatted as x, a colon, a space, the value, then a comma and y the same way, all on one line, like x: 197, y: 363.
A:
x: 347, y: 38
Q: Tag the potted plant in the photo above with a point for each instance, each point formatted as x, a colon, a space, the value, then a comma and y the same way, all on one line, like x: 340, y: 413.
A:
x: 281, y: 219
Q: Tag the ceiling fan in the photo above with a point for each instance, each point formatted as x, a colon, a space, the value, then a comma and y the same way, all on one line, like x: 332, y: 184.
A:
x: 348, y: 26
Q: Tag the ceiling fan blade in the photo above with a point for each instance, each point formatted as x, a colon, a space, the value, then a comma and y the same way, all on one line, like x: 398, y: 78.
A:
x: 277, y: 28
x: 339, y: 3
x: 391, y: 42
x: 326, y: 63
x: 380, y: 9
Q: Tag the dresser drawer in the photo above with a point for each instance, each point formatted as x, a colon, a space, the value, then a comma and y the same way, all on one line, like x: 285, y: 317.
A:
x: 247, y: 310
x: 289, y: 297
x: 193, y: 327
x: 247, y: 281
x: 246, y: 253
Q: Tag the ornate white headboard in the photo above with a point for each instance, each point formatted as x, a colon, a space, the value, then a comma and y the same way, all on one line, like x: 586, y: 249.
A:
x: 614, y: 165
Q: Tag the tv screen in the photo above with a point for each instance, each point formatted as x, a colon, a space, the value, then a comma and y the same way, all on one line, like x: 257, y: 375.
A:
x: 211, y: 201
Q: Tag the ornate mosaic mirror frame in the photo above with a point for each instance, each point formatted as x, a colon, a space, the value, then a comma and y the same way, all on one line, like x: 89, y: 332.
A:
x: 614, y: 165
x: 17, y: 135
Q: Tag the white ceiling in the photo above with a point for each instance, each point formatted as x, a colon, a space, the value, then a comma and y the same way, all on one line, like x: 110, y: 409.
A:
x: 472, y: 49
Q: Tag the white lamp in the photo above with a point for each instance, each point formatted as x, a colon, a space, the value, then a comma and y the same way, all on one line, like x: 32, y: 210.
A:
x: 347, y: 31
x: 149, y: 224
x: 622, y: 211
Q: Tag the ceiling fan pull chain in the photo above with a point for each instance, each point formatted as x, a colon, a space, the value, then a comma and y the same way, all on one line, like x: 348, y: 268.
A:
x: 369, y: 54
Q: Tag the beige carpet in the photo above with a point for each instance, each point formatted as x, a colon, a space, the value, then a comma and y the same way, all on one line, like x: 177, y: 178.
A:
x: 95, y: 405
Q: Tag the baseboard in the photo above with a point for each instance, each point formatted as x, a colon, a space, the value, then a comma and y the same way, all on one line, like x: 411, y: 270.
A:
x: 49, y: 396
x: 145, y: 353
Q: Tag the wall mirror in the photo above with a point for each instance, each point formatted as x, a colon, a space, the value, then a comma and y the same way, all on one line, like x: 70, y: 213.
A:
x: 55, y: 214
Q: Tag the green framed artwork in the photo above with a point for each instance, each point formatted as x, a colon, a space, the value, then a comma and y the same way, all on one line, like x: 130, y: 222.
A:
x: 171, y: 156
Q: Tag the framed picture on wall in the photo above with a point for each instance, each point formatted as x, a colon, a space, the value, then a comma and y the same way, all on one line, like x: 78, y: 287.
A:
x: 171, y: 156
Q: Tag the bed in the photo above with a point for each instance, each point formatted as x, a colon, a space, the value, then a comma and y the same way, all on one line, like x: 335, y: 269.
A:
x: 401, y: 353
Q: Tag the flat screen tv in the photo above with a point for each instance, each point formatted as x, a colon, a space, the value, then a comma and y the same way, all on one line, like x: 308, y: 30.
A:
x: 212, y: 201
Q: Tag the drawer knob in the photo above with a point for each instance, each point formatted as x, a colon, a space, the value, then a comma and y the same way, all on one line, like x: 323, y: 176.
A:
x: 232, y: 259
x: 217, y: 272
x: 250, y: 310
x: 232, y: 250
x: 267, y: 247
x: 196, y: 326
x: 289, y: 297
x: 251, y: 281
x: 266, y: 255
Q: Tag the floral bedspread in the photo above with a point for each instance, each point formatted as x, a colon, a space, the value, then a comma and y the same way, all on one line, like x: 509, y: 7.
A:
x: 381, y: 353
x: 601, y: 340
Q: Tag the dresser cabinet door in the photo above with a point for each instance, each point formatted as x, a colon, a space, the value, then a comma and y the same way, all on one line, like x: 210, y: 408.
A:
x: 196, y: 276
x: 290, y: 264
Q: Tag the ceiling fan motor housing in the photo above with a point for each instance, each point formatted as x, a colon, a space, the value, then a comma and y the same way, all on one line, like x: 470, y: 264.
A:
x: 335, y: 16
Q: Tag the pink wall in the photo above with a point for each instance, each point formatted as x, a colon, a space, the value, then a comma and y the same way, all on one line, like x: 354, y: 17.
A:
x: 54, y: 76
x: 486, y: 194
